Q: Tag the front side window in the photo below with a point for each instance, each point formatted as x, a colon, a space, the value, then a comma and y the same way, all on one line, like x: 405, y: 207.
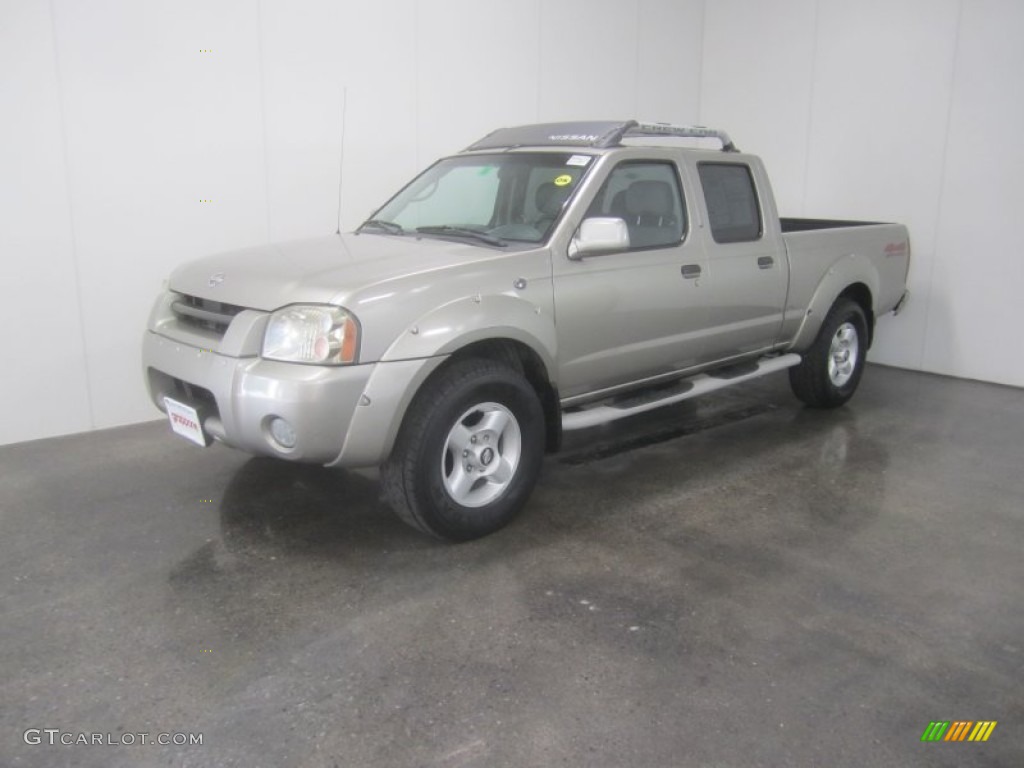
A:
x: 647, y: 197
x: 733, y: 211
x: 494, y: 198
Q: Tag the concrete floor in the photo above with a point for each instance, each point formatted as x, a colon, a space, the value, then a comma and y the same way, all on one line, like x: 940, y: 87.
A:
x: 736, y: 583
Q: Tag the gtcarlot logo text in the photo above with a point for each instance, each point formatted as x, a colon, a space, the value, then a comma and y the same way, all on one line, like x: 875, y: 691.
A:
x: 55, y: 736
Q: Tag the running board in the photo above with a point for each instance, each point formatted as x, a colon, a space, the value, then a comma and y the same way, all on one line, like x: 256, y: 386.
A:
x: 700, y: 384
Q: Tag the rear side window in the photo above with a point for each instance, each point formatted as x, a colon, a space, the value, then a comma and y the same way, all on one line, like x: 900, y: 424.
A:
x: 733, y: 211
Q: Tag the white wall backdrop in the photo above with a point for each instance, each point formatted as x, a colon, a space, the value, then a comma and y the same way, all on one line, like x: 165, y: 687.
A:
x: 122, y: 118
x: 894, y: 110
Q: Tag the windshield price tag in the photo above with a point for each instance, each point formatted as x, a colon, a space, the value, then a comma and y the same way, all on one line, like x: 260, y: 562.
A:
x: 578, y: 160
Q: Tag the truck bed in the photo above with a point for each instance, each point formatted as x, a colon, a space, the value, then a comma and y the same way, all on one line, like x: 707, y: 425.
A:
x: 816, y: 246
x: 807, y: 225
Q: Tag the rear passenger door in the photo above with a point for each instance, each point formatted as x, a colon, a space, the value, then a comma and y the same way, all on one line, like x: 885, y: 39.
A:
x: 625, y: 316
x: 747, y: 274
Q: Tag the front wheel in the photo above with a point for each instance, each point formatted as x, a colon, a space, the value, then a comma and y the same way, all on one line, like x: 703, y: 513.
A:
x: 468, y: 453
x: 831, y: 369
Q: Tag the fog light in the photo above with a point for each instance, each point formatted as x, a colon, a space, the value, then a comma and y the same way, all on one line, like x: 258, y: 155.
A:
x: 282, y: 432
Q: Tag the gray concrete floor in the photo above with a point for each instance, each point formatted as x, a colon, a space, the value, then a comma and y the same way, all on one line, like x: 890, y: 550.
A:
x: 741, y: 582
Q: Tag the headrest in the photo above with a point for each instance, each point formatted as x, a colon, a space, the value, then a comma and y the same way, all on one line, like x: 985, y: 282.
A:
x: 653, y: 197
x: 549, y: 198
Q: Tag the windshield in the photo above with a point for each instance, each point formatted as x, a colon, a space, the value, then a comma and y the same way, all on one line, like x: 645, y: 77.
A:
x: 490, y: 199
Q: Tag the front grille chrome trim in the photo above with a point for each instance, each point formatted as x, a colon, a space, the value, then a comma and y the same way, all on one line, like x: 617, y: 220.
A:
x: 207, y: 315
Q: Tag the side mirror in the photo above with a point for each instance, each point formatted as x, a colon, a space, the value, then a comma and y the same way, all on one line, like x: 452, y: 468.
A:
x: 599, y: 235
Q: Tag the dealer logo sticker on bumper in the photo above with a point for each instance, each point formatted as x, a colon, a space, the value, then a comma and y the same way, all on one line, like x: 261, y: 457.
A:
x: 185, y: 422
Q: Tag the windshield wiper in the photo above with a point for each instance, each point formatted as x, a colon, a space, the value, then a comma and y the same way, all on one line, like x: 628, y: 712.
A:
x: 446, y: 229
x: 385, y: 226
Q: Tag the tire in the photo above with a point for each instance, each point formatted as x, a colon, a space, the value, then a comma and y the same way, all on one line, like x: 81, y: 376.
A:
x: 831, y: 369
x: 468, y: 453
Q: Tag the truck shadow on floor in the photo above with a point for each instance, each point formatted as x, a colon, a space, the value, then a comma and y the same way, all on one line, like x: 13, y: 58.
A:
x: 820, y: 473
x: 301, y: 509
x: 296, y: 537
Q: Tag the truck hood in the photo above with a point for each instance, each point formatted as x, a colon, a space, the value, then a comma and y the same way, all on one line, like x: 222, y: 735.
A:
x: 324, y: 270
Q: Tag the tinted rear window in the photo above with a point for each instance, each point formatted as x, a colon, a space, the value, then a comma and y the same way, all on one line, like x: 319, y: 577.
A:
x: 734, y: 213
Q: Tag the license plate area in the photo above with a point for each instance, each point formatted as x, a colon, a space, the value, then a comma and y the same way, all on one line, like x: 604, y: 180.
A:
x: 185, y: 421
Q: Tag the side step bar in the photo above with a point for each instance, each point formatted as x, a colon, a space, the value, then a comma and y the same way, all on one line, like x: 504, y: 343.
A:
x: 700, y: 384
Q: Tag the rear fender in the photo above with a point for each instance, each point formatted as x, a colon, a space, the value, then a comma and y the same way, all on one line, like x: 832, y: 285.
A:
x: 847, y: 271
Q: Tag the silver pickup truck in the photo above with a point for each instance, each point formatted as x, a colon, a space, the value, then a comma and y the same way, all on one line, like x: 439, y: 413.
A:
x: 548, y: 278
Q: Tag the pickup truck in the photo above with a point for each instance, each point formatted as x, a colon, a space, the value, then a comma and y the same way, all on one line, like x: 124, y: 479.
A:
x: 548, y: 278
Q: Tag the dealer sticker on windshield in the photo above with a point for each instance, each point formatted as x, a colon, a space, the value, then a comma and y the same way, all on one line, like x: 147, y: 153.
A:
x: 185, y: 422
x: 578, y: 160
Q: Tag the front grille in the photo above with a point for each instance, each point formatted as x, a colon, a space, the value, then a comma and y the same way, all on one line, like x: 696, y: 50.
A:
x: 214, y: 316
x: 163, y: 385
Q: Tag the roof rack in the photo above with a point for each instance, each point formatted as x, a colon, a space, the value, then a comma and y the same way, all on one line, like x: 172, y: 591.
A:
x: 596, y: 134
x: 680, y: 131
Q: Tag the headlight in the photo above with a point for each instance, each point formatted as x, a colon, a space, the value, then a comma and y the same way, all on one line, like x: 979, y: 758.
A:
x: 322, y: 335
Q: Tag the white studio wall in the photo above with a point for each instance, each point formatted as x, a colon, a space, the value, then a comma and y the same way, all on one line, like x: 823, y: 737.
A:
x: 898, y: 111
x: 44, y: 377
x: 137, y: 135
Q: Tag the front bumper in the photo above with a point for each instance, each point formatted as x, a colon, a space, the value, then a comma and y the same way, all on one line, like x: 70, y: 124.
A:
x: 342, y: 416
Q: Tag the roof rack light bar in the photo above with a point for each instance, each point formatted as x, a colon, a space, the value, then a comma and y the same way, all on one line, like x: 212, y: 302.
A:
x: 634, y: 128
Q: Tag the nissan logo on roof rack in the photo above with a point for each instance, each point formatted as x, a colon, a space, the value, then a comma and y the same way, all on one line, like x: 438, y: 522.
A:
x: 594, y: 133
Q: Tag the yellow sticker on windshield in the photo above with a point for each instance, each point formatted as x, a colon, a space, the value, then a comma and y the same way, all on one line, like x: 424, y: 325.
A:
x: 562, y: 180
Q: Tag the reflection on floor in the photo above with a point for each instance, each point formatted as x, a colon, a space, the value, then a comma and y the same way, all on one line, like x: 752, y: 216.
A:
x: 734, y: 582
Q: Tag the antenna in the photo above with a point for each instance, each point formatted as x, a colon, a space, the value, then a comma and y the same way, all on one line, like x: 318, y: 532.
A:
x: 341, y: 158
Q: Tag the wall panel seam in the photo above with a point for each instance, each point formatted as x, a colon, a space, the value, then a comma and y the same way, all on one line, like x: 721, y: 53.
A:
x: 76, y: 268
x: 263, y: 111
x: 810, y: 106
x: 942, y: 187
x: 699, y: 117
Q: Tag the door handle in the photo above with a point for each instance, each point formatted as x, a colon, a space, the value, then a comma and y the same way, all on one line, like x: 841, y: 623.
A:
x: 765, y: 262
x: 691, y: 271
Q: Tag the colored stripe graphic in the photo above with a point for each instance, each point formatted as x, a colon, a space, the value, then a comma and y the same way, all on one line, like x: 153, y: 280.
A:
x: 983, y: 730
x: 959, y: 730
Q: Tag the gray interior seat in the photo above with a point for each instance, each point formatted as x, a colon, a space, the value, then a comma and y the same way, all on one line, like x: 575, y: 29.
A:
x: 618, y: 207
x: 650, y: 214
x: 549, y: 199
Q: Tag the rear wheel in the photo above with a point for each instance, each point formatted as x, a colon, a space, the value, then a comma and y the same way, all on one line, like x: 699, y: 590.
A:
x: 831, y: 369
x: 468, y: 453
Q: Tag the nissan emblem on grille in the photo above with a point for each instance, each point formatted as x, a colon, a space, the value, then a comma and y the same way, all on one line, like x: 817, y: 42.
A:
x: 216, y: 279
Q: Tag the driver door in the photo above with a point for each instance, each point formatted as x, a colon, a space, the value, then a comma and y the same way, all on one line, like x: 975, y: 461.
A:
x: 626, y: 316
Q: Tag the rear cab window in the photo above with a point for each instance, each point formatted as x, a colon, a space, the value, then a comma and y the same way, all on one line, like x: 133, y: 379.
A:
x: 731, y: 197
